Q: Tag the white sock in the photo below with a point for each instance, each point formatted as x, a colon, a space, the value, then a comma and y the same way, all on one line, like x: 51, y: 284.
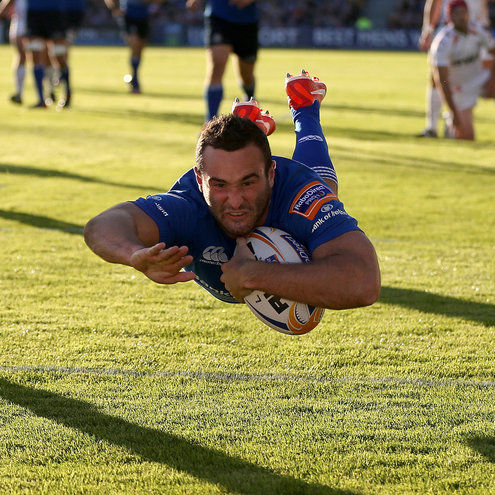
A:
x: 433, y: 107
x: 20, y: 75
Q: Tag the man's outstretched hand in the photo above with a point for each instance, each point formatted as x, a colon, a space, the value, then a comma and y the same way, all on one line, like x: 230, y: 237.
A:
x: 161, y: 265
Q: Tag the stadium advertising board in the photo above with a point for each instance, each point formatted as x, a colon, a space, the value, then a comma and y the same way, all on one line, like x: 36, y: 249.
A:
x: 289, y: 37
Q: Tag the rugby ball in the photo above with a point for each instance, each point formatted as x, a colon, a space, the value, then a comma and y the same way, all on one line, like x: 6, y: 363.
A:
x: 293, y: 318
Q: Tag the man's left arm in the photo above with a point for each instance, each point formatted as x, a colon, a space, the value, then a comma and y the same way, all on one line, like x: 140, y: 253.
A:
x: 343, y: 273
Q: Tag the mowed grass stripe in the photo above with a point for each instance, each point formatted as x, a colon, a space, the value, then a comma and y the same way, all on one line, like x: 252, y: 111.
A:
x: 243, y: 377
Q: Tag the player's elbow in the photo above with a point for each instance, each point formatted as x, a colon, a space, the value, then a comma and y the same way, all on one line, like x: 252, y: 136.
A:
x: 365, y: 280
x: 366, y: 288
x: 91, y: 232
x: 370, y: 292
x: 87, y: 231
x: 360, y: 292
x: 370, y: 284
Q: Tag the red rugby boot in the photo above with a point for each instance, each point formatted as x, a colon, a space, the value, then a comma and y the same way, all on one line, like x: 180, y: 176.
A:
x: 250, y: 110
x: 303, y: 90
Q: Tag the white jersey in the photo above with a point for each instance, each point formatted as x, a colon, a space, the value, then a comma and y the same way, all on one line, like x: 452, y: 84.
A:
x: 460, y: 52
x: 476, y: 10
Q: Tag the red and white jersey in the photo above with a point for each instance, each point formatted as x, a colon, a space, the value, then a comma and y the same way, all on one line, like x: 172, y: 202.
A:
x: 477, y: 10
x: 460, y: 52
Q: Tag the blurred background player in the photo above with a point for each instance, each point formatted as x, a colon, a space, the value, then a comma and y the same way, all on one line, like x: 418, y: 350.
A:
x: 136, y: 14
x: 17, y: 34
x: 58, y: 70
x: 230, y: 26
x: 435, y: 16
x: 458, y: 71
x: 46, y: 33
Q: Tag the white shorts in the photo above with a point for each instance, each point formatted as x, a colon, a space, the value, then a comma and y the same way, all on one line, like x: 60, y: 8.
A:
x: 466, y: 96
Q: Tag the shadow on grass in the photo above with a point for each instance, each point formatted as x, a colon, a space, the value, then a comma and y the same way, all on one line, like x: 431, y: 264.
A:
x: 483, y: 444
x: 129, y: 113
x: 443, y: 305
x: 416, y: 162
x: 44, y: 172
x: 353, y: 133
x: 42, y: 222
x: 123, y: 91
x: 385, y: 111
x: 214, y: 466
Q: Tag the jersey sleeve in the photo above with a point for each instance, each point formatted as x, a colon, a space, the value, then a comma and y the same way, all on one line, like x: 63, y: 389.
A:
x: 173, y: 216
x: 319, y: 215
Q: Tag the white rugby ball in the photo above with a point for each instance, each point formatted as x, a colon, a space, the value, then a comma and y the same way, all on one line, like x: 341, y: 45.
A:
x: 286, y: 316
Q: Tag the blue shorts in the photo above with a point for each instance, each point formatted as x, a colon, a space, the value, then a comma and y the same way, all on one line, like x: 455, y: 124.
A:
x: 137, y: 26
x: 46, y: 24
x: 242, y: 37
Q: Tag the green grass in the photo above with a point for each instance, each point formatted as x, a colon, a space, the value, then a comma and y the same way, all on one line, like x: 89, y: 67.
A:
x: 111, y: 384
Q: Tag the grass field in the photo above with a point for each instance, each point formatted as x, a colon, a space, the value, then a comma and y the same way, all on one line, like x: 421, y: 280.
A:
x: 110, y: 384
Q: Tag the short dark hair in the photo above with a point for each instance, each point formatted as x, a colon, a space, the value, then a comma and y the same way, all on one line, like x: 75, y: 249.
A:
x: 231, y: 133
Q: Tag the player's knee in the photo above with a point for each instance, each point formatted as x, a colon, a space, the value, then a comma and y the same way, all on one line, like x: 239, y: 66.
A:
x: 215, y: 77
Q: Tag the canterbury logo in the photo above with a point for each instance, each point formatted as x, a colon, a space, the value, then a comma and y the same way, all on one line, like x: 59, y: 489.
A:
x: 215, y: 253
x: 319, y: 92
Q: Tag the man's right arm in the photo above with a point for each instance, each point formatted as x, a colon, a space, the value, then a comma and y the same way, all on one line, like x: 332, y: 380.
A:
x: 125, y: 234
x: 431, y: 16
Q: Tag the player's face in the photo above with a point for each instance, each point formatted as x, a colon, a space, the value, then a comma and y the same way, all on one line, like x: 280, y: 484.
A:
x: 460, y: 18
x: 236, y: 188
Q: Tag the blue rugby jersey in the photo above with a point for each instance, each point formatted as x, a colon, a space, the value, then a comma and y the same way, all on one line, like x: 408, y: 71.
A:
x: 75, y: 5
x: 231, y: 13
x: 43, y: 5
x: 301, y: 204
x: 136, y: 9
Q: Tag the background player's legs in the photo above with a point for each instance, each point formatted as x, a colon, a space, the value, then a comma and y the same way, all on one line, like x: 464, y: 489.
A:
x: 245, y: 73
x: 465, y: 129
x: 433, y: 110
x: 37, y: 47
x: 433, y: 107
x: 60, y: 52
x: 52, y: 76
x: 136, y: 44
x: 216, y: 60
x: 19, y: 67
